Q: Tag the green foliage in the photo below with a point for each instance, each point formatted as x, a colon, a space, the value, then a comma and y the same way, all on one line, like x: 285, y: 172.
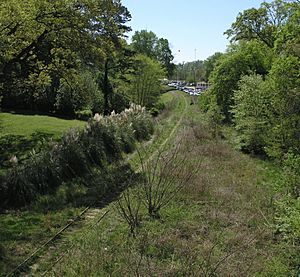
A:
x: 261, y: 24
x: 215, y: 119
x: 288, y: 41
x: 77, y: 92
x: 251, y: 113
x: 277, y: 267
x: 243, y: 59
x: 157, y: 109
x: 147, y: 43
x: 46, y: 47
x: 144, y: 88
x: 210, y: 63
x: 284, y: 85
x: 292, y: 174
x: 287, y: 226
x: 288, y: 219
x: 191, y: 71
x: 84, y: 114
x: 144, y: 42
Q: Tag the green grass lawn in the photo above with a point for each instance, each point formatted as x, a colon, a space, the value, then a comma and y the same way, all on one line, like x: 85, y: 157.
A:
x: 20, y: 134
x: 26, y: 125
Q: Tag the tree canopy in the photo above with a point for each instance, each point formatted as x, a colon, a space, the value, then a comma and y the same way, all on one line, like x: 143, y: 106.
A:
x: 256, y: 83
x: 44, y: 42
x: 261, y: 24
x: 147, y: 43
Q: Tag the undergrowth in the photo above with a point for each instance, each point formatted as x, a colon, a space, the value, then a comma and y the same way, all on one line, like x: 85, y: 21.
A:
x: 220, y: 223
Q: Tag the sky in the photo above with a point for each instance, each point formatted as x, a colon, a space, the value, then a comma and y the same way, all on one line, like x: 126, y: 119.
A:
x: 194, y: 28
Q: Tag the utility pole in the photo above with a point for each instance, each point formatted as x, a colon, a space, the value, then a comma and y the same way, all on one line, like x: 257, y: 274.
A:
x: 177, y: 68
x: 195, y: 67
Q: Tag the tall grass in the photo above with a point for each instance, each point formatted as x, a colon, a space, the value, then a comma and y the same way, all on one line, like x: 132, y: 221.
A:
x: 75, y: 156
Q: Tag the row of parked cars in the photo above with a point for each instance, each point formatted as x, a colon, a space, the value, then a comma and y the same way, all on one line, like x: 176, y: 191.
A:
x: 186, y: 87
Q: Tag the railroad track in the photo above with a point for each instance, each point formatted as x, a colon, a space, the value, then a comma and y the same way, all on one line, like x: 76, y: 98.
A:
x: 87, y: 214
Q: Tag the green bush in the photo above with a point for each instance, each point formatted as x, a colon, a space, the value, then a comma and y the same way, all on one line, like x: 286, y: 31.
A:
x: 157, y: 109
x: 250, y: 114
x: 84, y: 114
x: 70, y: 156
x: 287, y: 211
x: 292, y: 174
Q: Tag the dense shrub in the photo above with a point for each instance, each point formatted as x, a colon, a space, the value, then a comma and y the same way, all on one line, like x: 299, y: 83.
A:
x: 99, y: 145
x: 158, y: 107
x: 84, y: 114
x: 292, y: 174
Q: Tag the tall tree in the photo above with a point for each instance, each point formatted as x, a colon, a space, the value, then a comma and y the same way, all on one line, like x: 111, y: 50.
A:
x: 145, y: 86
x: 261, y: 24
x: 47, y: 39
x: 164, y: 55
x: 144, y: 42
x: 243, y: 59
x: 210, y: 63
x: 147, y: 43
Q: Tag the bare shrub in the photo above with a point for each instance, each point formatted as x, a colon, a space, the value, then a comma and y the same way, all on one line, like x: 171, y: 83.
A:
x: 128, y: 206
x: 165, y: 174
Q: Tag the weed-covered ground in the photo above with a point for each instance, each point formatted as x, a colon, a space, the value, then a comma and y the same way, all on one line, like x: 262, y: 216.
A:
x: 220, y: 223
x: 25, y: 230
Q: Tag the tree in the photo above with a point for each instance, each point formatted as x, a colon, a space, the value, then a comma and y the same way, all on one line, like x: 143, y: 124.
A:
x: 190, y: 71
x: 48, y: 40
x: 116, y: 66
x: 144, y: 88
x: 147, y: 43
x: 164, y: 55
x: 243, y: 59
x: 250, y: 113
x: 210, y: 63
x: 144, y: 42
x: 284, y: 84
x: 261, y: 24
x: 288, y: 39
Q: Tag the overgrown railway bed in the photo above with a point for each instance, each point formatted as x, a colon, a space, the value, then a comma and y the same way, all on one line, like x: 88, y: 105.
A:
x: 52, y: 251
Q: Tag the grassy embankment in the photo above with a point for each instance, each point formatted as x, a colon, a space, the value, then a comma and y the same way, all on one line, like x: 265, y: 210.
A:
x: 24, y: 230
x: 220, y: 224
x: 21, y: 230
x: 19, y: 134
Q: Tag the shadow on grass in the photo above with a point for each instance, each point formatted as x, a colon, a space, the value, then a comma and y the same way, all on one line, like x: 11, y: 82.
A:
x: 31, y: 112
x: 20, y: 146
x: 22, y: 230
